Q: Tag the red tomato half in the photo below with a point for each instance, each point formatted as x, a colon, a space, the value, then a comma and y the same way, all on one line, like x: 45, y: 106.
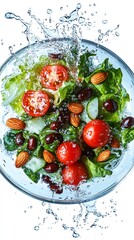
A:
x: 35, y: 103
x: 52, y: 76
x: 68, y: 152
x: 96, y: 133
x: 74, y: 174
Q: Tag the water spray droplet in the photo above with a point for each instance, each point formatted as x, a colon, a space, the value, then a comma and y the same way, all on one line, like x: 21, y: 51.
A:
x: 36, y: 228
x: 78, y: 6
x: 2, y: 42
x: 117, y: 34
x: 105, y: 21
x: 75, y: 234
x: 49, y: 12
x: 11, y: 49
x: 81, y: 20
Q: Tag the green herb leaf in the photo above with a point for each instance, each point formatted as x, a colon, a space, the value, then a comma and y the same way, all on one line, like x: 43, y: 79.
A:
x: 94, y: 170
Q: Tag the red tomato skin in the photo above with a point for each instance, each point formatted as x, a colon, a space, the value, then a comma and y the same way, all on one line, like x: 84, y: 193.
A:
x: 74, y: 174
x: 52, y: 76
x: 41, y: 103
x: 68, y: 152
x: 96, y: 133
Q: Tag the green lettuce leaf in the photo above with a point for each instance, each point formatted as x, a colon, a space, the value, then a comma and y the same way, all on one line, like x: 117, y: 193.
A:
x: 113, y: 81
x: 94, y: 170
x: 127, y: 135
x: 84, y: 64
x: 63, y: 92
x: 52, y: 146
x: 33, y: 176
x: 121, y: 99
x: 71, y: 133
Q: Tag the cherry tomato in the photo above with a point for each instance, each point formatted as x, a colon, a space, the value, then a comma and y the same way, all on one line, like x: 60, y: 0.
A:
x: 68, y: 152
x: 96, y: 133
x: 52, y: 76
x: 74, y: 174
x: 35, y: 103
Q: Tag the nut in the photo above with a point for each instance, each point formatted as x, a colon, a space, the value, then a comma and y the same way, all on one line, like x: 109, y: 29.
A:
x: 99, y: 77
x: 21, y: 159
x: 115, y: 143
x: 15, y: 123
x: 74, y: 119
x: 48, y: 156
x: 76, y: 108
x: 103, y: 156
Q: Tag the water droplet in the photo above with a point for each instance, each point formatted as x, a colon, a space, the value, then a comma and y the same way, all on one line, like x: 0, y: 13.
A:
x: 49, y: 11
x: 10, y: 15
x: 49, y: 211
x: 29, y: 11
x: 75, y: 234
x: 43, y: 203
x: 105, y: 21
x: 11, y: 49
x: 36, y: 228
x: 81, y: 20
x: 64, y: 226
x: 117, y: 34
x: 78, y: 6
x: 2, y: 42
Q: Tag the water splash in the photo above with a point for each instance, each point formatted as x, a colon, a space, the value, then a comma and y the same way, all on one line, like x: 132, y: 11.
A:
x: 10, y: 15
x: 95, y: 215
x: 70, y: 25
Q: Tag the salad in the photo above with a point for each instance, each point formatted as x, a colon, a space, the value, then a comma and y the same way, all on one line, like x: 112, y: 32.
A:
x: 68, y: 125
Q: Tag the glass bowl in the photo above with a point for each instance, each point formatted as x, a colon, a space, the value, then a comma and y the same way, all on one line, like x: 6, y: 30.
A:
x: 89, y: 190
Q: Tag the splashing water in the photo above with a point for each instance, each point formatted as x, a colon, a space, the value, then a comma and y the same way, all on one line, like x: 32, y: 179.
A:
x: 70, y: 25
x: 92, y: 216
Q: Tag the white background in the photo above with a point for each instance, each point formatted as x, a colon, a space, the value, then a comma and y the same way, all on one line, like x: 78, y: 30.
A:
x: 22, y: 217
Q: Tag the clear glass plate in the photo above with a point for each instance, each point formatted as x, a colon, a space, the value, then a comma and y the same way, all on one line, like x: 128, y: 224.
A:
x: 90, y: 190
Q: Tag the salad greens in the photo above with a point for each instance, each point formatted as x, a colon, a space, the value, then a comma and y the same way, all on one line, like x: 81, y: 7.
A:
x: 96, y: 106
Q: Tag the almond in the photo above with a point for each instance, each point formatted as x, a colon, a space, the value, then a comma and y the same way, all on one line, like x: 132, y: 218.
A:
x: 99, y: 77
x: 74, y: 119
x: 15, y: 123
x: 115, y: 143
x: 48, y: 156
x: 103, y: 156
x: 76, y: 108
x: 21, y: 159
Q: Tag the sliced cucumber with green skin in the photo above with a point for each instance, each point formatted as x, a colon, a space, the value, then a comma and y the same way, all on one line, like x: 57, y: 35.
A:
x: 35, y: 164
x: 92, y: 108
x: 84, y: 115
x: 35, y: 125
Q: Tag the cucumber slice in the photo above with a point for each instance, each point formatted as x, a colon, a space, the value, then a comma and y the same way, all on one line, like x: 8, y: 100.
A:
x: 35, y: 125
x: 93, y: 108
x: 84, y: 116
x: 35, y: 164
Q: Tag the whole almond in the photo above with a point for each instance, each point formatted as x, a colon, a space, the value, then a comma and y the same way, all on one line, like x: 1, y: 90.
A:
x: 76, y: 108
x: 74, y: 119
x: 103, y: 156
x: 15, y: 123
x: 115, y: 143
x: 99, y: 77
x: 22, y: 159
x: 48, y: 156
